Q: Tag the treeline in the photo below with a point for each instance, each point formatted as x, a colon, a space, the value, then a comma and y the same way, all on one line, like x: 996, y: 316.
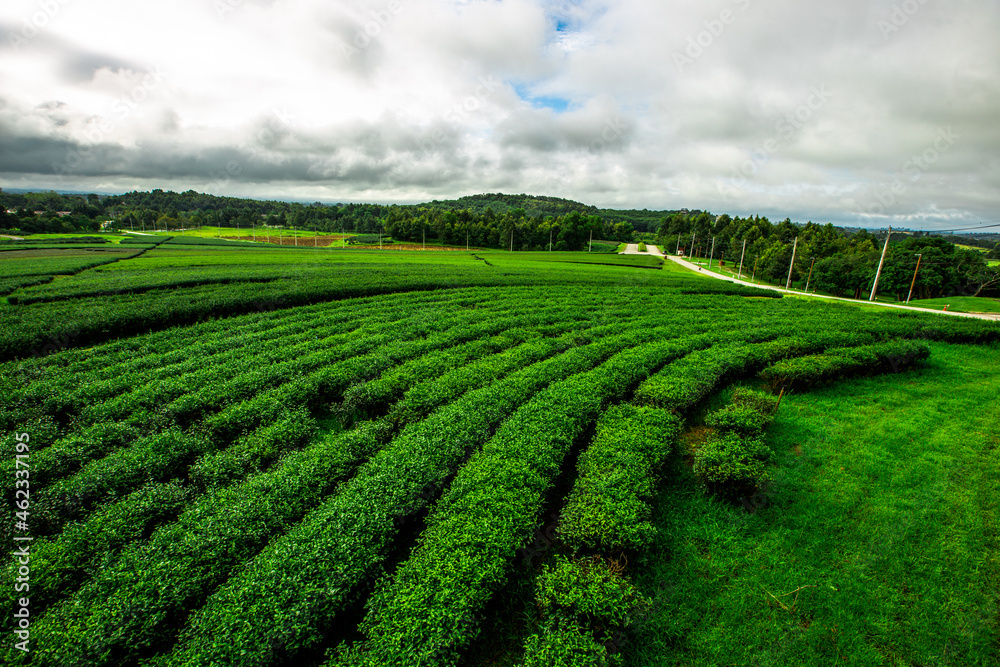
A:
x: 642, y: 221
x: 483, y: 220
x: 51, y: 212
x: 830, y: 260
x: 513, y: 229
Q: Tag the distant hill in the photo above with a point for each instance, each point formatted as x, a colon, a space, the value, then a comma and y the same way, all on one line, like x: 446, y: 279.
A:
x: 535, y: 206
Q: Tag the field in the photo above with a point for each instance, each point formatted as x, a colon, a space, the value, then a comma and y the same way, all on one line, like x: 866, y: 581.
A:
x: 961, y: 304
x: 246, y: 455
x: 262, y: 233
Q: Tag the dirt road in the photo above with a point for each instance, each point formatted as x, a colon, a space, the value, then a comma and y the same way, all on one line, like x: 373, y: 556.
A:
x: 633, y: 249
x: 694, y: 267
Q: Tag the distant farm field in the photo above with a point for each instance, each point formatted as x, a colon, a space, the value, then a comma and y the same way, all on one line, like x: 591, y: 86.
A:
x: 246, y: 455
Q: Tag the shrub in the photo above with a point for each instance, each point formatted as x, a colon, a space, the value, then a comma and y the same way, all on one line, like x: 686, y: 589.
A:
x: 582, y: 605
x: 745, y: 420
x: 760, y: 401
x: 844, y: 362
x: 734, y: 455
x: 732, y: 462
x: 564, y: 645
x: 609, y: 504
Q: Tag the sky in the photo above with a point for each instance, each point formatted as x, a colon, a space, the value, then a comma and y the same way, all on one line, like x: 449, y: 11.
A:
x: 857, y: 112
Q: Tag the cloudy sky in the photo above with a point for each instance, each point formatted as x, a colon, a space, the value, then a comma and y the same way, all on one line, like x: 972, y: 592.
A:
x: 856, y: 112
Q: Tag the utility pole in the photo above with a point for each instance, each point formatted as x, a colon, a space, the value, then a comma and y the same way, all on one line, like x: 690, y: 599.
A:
x: 712, y: 256
x: 678, y: 251
x: 550, y: 239
x: 253, y: 226
x: 740, y: 275
x: 692, y: 246
x: 810, y: 274
x: 914, y: 281
x: 871, y: 297
x: 512, y: 239
x: 754, y: 268
x: 591, y: 246
x: 788, y: 283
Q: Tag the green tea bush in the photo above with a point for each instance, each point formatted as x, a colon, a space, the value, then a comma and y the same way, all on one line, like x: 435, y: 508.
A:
x: 565, y: 644
x: 732, y: 462
x: 845, y: 362
x: 734, y: 455
x: 608, y: 507
x: 582, y: 605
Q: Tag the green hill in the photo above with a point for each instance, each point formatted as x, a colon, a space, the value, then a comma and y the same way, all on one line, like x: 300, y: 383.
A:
x: 534, y: 206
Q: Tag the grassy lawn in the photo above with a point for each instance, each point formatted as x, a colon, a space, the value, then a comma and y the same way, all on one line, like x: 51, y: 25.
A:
x: 876, y: 544
x: 650, y: 261
x: 41, y: 238
x: 260, y: 231
x: 961, y: 304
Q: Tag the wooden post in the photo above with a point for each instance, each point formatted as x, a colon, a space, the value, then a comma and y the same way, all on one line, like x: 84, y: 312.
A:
x: 740, y: 275
x: 810, y: 274
x: 871, y: 297
x: 791, y: 265
x: 914, y: 281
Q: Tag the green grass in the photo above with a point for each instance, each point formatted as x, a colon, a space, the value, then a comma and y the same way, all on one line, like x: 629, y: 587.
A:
x: 993, y: 262
x: 114, y: 237
x: 877, y: 544
x: 580, y: 258
x: 261, y: 232
x: 960, y: 304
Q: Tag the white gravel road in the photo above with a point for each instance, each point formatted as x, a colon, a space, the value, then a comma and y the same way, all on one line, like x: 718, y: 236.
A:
x: 694, y: 267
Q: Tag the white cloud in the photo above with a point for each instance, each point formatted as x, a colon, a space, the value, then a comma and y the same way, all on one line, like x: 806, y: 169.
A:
x: 685, y: 104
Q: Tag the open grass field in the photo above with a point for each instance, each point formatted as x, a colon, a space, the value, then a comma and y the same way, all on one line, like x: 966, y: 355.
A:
x: 961, y: 304
x: 259, y: 455
x: 876, y: 543
x: 261, y: 233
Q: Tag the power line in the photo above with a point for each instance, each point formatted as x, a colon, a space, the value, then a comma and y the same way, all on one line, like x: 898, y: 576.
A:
x: 961, y: 229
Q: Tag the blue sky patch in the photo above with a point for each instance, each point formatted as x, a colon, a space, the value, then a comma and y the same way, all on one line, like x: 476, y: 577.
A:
x: 557, y: 104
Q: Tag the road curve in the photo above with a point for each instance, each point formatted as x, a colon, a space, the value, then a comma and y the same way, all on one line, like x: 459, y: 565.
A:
x: 995, y: 317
